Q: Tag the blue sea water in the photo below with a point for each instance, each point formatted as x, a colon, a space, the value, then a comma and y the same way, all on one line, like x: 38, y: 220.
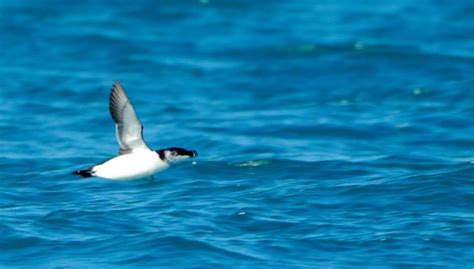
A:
x: 331, y: 134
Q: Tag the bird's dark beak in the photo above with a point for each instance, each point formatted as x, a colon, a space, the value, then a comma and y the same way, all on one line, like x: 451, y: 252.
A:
x: 192, y: 153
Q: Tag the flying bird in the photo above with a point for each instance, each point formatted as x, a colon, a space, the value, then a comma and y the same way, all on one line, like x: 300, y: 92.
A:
x: 135, y: 159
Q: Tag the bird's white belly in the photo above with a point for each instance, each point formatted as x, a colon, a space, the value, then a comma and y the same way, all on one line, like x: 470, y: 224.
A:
x: 131, y: 166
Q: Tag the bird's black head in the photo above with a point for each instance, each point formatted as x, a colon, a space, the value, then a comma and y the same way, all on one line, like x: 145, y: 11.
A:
x: 173, y: 155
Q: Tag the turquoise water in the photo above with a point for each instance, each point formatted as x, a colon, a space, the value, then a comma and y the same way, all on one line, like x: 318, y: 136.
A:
x: 330, y: 134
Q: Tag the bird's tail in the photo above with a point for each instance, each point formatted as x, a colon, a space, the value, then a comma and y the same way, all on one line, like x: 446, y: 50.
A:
x: 84, y: 173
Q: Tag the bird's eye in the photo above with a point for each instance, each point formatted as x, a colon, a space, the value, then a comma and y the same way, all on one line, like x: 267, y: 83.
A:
x: 174, y: 153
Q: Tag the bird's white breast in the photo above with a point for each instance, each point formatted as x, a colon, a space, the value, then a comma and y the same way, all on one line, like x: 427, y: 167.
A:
x: 138, y: 164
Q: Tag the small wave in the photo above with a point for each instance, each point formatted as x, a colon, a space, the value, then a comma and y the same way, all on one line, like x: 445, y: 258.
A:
x: 252, y: 163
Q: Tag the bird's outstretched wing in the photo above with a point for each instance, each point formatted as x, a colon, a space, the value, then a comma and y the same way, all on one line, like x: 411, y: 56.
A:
x: 128, y: 128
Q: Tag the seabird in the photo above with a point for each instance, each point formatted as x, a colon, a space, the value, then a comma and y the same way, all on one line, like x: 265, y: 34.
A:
x: 135, y: 159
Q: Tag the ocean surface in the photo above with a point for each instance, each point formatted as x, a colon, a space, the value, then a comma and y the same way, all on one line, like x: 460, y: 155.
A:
x: 331, y: 134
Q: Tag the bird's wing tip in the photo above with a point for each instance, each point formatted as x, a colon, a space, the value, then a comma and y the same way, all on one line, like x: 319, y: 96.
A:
x: 116, y: 84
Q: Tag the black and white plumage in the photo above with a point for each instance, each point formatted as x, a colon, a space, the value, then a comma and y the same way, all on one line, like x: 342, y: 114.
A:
x: 135, y: 159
